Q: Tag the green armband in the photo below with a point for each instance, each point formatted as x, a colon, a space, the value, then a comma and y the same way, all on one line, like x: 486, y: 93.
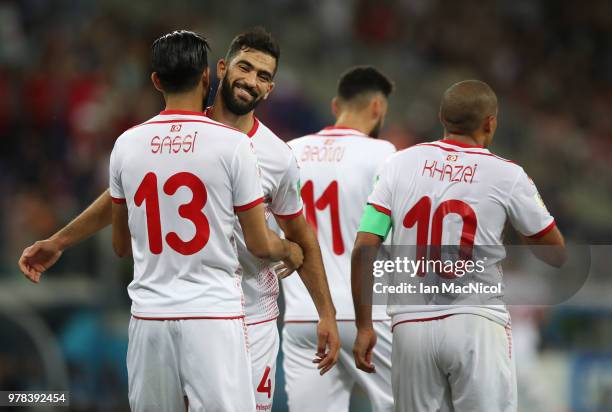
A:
x: 375, y: 222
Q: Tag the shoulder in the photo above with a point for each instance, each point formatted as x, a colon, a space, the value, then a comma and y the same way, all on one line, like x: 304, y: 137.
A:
x: 272, y: 142
x: 195, y: 121
x: 386, y: 145
x: 470, y: 151
x: 301, y: 141
x: 219, y: 129
x: 412, y: 151
x: 377, y: 146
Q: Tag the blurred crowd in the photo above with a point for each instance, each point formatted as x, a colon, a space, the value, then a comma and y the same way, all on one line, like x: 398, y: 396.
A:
x: 74, y: 75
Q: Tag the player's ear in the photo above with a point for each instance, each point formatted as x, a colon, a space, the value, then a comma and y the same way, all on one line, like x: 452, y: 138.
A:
x: 156, y: 82
x: 488, y: 125
x: 376, y: 106
x: 334, y: 107
x: 493, y: 126
x: 221, y: 68
x: 206, y: 78
x: 271, y: 87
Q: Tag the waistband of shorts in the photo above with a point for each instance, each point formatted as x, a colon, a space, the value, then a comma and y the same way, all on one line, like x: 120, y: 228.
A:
x: 156, y: 318
x: 337, y: 320
x: 262, y: 321
x: 421, y: 320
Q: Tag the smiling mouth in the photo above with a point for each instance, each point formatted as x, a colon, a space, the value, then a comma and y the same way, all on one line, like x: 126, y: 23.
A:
x: 244, y: 93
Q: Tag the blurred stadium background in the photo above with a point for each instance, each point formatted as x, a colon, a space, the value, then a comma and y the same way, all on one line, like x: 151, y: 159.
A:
x: 74, y: 75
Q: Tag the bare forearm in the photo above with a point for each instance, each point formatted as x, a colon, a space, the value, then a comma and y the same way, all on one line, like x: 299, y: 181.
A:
x: 549, y: 248
x: 278, y: 247
x: 122, y: 242
x: 313, y: 273
x: 362, y: 260
x: 93, y: 219
x: 360, y: 283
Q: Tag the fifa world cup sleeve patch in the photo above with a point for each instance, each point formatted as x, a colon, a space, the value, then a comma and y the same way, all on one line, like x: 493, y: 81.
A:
x: 376, y: 222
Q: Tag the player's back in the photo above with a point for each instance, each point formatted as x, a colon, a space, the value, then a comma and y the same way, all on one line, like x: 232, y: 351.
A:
x: 337, y: 169
x: 464, y: 192
x: 182, y: 175
x: 448, y: 193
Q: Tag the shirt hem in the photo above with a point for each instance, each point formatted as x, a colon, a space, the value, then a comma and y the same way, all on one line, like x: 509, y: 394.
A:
x: 249, y: 205
x: 290, y: 215
x: 544, y: 231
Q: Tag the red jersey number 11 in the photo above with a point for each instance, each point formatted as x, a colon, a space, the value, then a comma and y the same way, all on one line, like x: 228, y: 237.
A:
x: 329, y: 197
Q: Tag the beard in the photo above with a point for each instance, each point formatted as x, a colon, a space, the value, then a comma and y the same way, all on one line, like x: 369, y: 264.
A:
x: 375, y: 132
x: 234, y: 104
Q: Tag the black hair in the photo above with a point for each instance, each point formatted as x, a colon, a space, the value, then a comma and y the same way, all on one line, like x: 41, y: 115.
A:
x: 256, y: 39
x: 362, y: 79
x: 179, y: 59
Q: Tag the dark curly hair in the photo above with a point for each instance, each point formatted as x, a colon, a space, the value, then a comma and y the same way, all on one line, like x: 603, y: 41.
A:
x: 256, y: 39
x: 361, y: 79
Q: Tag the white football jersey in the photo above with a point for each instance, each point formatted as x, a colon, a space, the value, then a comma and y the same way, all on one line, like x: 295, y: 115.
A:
x: 459, y: 194
x: 280, y: 180
x: 337, y: 167
x: 183, y: 176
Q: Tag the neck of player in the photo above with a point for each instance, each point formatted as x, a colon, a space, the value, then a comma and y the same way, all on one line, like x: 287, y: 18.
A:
x: 356, y: 120
x: 190, y: 101
x: 220, y: 113
x: 476, y: 140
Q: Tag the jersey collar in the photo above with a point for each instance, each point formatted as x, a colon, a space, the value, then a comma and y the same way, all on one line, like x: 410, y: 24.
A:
x: 182, y: 112
x: 250, y: 133
x: 461, y: 144
x: 340, y: 131
x: 254, y: 128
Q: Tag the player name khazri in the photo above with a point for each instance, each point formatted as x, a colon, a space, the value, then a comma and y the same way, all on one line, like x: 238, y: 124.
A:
x: 451, y: 287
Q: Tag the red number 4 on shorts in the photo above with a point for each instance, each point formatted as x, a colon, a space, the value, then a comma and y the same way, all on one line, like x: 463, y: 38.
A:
x: 265, y: 385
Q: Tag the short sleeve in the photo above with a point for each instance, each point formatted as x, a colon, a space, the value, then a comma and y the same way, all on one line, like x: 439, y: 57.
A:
x: 380, y: 198
x: 526, y: 209
x: 287, y: 201
x: 115, y: 185
x: 245, y: 175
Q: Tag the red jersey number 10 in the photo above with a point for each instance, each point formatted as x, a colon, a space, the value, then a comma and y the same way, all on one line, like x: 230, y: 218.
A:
x: 329, y: 197
x: 419, y: 215
x: 147, y: 193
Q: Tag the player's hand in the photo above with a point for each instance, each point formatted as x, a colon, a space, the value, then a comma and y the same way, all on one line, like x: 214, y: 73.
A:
x: 362, y: 350
x: 292, y: 263
x: 39, y: 257
x: 328, y: 346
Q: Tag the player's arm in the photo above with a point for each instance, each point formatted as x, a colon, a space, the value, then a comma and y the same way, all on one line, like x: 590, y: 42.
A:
x: 259, y: 239
x: 312, y: 271
x: 287, y: 208
x: 248, y: 204
x: 530, y: 217
x: 43, y: 254
x: 122, y: 242
x: 313, y: 275
x: 374, y: 228
x: 549, y: 248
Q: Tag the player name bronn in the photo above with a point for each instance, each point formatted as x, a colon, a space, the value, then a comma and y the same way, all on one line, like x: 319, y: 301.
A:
x: 327, y: 153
